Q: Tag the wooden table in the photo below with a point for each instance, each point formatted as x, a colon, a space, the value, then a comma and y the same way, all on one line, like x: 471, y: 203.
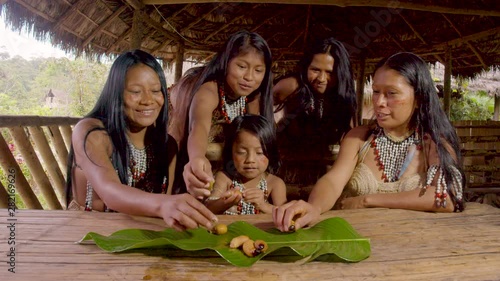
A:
x: 406, y: 245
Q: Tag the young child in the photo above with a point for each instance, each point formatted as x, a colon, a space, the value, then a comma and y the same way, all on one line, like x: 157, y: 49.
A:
x: 250, y: 158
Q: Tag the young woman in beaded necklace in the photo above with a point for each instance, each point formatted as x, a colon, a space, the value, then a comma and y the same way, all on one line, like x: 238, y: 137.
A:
x: 409, y: 159
x: 236, y: 81
x: 250, y: 159
x: 315, y: 108
x: 121, y: 156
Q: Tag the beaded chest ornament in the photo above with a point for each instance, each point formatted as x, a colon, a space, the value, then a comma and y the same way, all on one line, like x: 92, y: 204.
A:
x: 231, y: 111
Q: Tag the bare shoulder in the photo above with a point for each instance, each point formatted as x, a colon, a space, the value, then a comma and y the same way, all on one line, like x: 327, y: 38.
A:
x: 359, y: 133
x: 91, y: 131
x: 284, y: 88
x: 274, y: 181
x: 206, y: 97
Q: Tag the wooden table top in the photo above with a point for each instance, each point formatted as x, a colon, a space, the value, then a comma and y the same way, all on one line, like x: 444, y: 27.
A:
x: 405, y: 245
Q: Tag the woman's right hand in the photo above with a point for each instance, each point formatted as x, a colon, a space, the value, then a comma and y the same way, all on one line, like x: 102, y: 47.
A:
x: 301, y: 212
x: 198, y: 176
x: 183, y: 212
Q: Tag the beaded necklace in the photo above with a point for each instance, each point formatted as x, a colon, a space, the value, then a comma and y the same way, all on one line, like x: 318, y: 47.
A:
x: 243, y: 207
x: 139, y: 161
x: 231, y: 111
x: 391, y: 153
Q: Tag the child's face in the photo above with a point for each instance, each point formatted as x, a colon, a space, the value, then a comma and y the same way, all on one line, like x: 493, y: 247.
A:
x: 248, y: 156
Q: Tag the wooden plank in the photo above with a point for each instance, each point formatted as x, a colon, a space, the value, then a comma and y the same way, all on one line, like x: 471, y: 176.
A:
x: 446, y: 9
x: 10, y: 166
x: 23, y: 144
x: 29, y: 120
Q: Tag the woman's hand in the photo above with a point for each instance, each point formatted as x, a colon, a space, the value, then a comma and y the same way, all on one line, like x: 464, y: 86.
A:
x: 198, y: 176
x: 183, y: 212
x: 301, y: 212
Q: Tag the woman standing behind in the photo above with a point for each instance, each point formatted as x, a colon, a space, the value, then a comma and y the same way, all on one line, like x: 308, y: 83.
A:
x: 410, y: 159
x: 235, y: 82
x: 121, y: 157
x: 315, y: 108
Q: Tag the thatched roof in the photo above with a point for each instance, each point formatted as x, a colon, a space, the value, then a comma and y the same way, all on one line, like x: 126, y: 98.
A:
x: 469, y: 30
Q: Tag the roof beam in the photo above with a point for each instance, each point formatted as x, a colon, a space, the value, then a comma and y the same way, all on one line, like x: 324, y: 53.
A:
x: 473, y: 49
x: 35, y: 11
x: 471, y: 37
x: 351, y: 3
x: 419, y: 36
x: 66, y: 14
x: 104, y: 24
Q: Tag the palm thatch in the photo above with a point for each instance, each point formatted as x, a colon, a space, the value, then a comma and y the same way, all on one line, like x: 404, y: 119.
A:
x: 466, y: 31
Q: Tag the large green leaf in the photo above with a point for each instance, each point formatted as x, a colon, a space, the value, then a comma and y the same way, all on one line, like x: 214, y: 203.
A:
x: 333, y: 239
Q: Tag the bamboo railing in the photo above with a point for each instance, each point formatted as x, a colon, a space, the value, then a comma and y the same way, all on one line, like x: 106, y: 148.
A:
x: 42, y: 144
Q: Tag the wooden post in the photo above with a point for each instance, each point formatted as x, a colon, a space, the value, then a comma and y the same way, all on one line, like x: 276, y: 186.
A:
x: 4, y: 197
x: 137, y: 31
x: 10, y: 166
x: 496, y: 113
x: 179, y: 59
x: 59, y: 147
x: 360, y: 89
x: 447, y: 82
x: 49, y: 161
x: 66, y: 132
x: 36, y: 169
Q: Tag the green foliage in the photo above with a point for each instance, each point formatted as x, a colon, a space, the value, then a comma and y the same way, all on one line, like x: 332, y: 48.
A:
x: 472, y: 106
x: 333, y: 239
x: 24, y: 86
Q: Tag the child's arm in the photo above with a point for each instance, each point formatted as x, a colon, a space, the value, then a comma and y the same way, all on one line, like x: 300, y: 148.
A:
x: 222, y: 197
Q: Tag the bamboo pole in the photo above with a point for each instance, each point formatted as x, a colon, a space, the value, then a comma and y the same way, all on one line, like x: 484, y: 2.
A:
x: 51, y: 165
x: 360, y: 90
x: 66, y: 132
x: 31, y: 159
x: 179, y: 59
x: 447, y: 82
x: 4, y: 196
x: 34, y: 120
x: 9, y: 165
x: 59, y: 147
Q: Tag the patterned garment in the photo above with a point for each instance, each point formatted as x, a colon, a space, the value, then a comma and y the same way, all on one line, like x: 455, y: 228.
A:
x: 243, y: 207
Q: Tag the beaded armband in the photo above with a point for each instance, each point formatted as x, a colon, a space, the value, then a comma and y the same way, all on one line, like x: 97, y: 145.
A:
x: 441, y: 193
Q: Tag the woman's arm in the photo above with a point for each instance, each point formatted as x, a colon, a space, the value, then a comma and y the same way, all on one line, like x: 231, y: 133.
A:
x: 204, y: 102
x: 198, y: 171
x: 93, y: 156
x: 222, y: 198
x: 172, y: 151
x: 329, y: 187
x: 284, y: 88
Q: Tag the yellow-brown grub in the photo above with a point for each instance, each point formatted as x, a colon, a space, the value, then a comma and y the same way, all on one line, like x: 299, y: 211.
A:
x: 249, y: 248
x: 261, y: 246
x: 236, y: 242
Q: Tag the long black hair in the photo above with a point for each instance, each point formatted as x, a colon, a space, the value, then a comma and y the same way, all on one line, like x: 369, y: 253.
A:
x: 263, y: 130
x: 430, y: 117
x: 109, y: 110
x: 340, y: 99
